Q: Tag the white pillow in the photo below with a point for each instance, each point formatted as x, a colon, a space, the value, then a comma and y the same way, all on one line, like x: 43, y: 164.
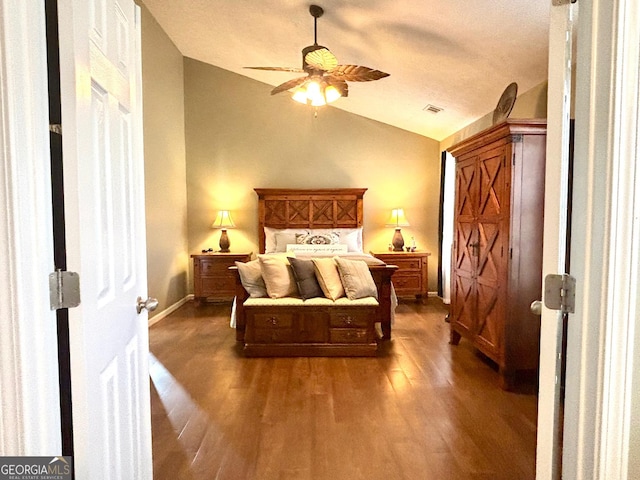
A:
x: 276, y: 240
x: 351, y: 237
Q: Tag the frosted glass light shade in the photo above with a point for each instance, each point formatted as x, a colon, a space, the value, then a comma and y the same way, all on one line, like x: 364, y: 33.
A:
x: 316, y: 93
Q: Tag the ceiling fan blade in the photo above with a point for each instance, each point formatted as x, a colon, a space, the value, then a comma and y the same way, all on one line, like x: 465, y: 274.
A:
x: 356, y: 73
x: 278, y: 69
x: 289, y: 85
x: 340, y: 85
x: 321, y: 59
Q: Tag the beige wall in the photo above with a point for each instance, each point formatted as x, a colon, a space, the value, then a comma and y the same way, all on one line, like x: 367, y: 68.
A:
x: 239, y: 137
x: 165, y: 169
x: 530, y: 104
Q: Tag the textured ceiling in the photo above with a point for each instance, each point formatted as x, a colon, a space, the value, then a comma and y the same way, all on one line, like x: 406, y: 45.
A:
x: 458, y: 55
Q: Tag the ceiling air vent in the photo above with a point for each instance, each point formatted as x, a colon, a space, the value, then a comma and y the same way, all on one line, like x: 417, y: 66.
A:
x: 432, y: 109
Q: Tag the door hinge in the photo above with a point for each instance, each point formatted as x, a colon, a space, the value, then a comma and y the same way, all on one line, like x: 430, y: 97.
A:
x: 560, y: 292
x: 64, y: 289
x: 513, y: 158
x: 557, y: 3
x: 55, y: 128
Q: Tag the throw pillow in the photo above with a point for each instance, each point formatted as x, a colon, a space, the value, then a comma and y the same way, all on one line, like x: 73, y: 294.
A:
x: 251, y: 278
x: 304, y: 272
x: 328, y: 277
x: 278, y: 276
x: 356, y: 278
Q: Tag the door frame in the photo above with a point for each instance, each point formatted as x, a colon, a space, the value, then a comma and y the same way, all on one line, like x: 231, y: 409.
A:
x: 606, y: 102
x: 602, y: 428
x: 29, y: 390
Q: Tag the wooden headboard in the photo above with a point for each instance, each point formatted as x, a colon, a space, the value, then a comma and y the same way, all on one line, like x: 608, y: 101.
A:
x: 316, y: 208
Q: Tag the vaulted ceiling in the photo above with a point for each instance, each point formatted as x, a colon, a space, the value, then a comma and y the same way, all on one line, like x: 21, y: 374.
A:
x: 457, y: 55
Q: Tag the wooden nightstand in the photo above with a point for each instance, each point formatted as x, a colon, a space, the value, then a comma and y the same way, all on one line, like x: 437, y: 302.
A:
x: 211, y: 275
x: 411, y: 278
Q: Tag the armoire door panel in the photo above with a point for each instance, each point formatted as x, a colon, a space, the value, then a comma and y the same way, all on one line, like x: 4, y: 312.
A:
x: 466, y: 188
x: 490, y: 266
x: 463, y: 307
x: 491, y: 183
x: 489, y: 314
x: 464, y: 238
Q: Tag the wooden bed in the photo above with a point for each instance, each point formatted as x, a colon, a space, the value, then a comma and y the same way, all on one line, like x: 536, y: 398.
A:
x: 316, y: 209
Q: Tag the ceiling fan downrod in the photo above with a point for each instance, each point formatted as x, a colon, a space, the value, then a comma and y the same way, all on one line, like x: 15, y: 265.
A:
x: 316, y: 12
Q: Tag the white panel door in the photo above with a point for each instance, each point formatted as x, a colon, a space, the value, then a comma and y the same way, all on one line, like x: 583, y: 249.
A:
x: 104, y: 208
x: 549, y: 453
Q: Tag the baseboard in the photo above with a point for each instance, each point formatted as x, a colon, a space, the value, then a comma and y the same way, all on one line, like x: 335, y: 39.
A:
x: 432, y: 294
x: 167, y: 311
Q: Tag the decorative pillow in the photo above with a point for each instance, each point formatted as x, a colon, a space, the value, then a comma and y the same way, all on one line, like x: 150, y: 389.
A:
x: 317, y: 238
x: 271, y: 245
x: 305, y: 274
x: 351, y: 237
x: 251, y: 278
x: 278, y: 276
x: 328, y: 277
x: 356, y: 278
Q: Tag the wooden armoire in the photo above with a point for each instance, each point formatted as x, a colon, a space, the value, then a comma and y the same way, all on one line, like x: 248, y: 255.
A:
x: 497, y: 249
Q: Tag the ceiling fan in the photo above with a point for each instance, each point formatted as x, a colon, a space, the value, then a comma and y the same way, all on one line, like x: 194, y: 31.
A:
x: 326, y: 81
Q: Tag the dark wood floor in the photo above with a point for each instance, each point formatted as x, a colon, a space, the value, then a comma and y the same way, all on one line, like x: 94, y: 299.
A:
x: 423, y: 409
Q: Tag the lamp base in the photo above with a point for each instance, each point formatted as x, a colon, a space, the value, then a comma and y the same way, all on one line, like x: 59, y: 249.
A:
x: 224, y: 241
x: 398, y: 241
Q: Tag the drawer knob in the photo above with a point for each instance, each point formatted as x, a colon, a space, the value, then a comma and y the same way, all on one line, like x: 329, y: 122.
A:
x: 274, y: 320
x: 348, y: 320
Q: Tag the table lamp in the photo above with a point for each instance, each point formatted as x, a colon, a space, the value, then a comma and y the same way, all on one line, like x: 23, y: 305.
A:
x: 223, y: 221
x: 397, y: 220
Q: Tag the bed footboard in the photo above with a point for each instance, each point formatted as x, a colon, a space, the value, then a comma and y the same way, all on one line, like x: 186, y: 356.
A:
x: 381, y: 275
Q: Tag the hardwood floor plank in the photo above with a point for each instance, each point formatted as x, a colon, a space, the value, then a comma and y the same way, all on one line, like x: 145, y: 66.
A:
x: 421, y: 409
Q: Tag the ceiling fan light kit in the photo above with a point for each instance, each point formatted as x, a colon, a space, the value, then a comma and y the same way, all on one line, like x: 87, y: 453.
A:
x: 326, y: 80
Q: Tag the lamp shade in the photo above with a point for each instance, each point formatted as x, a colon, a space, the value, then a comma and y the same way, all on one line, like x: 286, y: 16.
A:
x: 397, y: 218
x: 223, y: 220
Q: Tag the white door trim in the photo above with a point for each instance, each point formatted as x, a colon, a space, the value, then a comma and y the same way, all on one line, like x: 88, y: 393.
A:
x: 29, y: 392
x: 600, y: 401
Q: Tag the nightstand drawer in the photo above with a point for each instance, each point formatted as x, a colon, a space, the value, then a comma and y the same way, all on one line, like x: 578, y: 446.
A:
x: 407, y: 282
x: 406, y: 263
x: 215, y: 268
x: 218, y: 285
